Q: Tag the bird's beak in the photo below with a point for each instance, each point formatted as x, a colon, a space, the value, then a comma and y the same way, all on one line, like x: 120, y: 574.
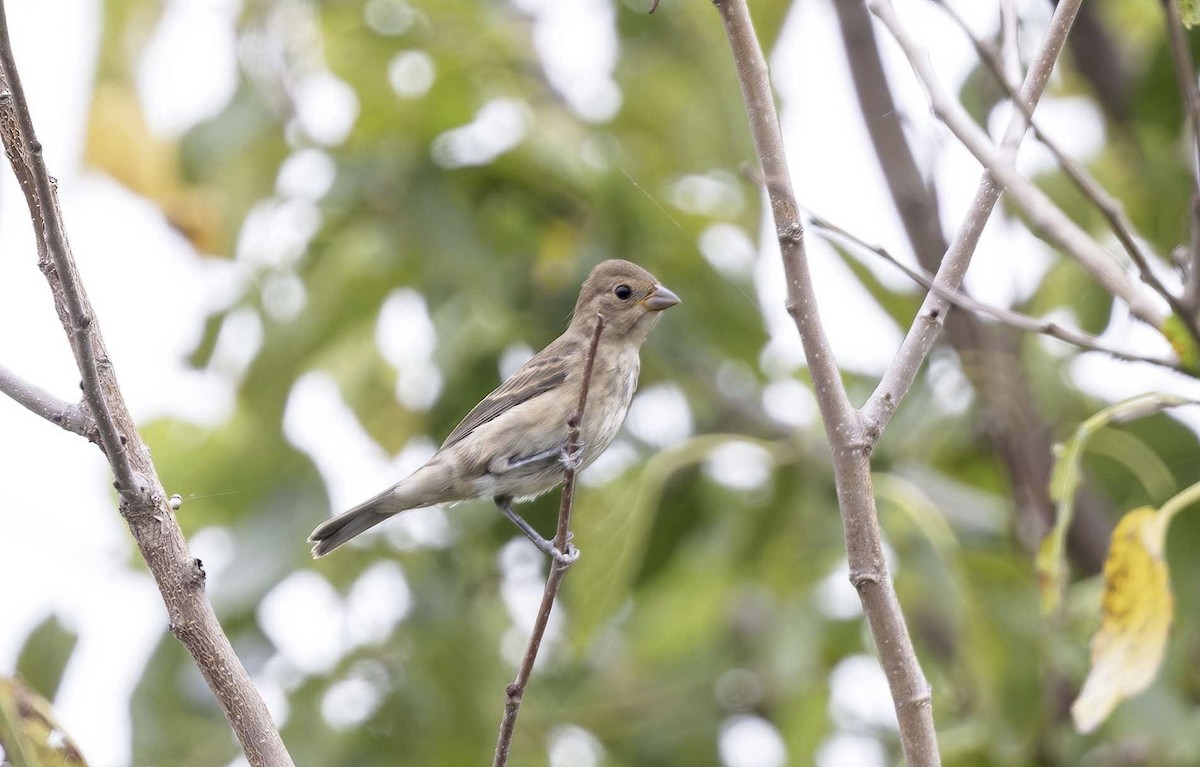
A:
x: 660, y: 299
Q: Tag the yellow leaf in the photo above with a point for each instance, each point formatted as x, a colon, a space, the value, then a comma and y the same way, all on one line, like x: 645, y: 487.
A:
x: 1136, y: 615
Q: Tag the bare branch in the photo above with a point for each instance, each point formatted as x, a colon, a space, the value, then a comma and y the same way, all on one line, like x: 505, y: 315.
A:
x: 72, y: 417
x: 1019, y: 435
x: 900, y: 375
x: 1108, y: 205
x: 1010, y: 25
x: 1044, y: 216
x: 850, y: 442
x: 574, y: 424
x: 1008, y: 317
x: 558, y: 568
x: 1185, y: 75
x: 31, y: 171
x: 143, y: 502
x: 768, y: 142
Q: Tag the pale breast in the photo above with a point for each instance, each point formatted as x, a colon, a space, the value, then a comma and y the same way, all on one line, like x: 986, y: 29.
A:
x: 608, y: 404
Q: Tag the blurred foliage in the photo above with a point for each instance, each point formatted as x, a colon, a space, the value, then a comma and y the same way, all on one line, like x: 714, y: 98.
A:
x: 700, y: 597
x: 29, y: 734
x: 45, y: 656
x: 1190, y: 11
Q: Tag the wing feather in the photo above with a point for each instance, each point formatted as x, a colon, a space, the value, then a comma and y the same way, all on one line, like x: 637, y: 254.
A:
x: 545, y: 371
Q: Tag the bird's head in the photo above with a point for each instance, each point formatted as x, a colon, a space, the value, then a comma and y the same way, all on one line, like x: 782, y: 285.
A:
x: 628, y: 296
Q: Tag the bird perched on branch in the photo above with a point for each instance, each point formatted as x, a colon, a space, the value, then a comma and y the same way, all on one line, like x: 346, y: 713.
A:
x: 512, y: 445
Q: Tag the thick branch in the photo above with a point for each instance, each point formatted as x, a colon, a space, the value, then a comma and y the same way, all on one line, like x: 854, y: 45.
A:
x: 849, y: 442
x: 143, y: 502
x: 903, y: 371
x: 72, y: 417
x: 514, y: 693
x: 768, y: 143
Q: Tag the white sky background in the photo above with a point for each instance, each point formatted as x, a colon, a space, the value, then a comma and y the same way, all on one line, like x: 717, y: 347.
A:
x: 64, y: 549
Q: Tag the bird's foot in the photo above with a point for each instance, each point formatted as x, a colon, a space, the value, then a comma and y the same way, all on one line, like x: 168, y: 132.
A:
x: 571, y: 459
x: 562, y: 559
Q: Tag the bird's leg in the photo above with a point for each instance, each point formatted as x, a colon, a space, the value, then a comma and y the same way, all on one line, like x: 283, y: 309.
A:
x: 563, y: 452
x: 525, y: 460
x: 504, y: 503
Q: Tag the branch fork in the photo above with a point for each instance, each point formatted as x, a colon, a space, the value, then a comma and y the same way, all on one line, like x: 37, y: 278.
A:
x: 852, y: 432
x: 103, y: 417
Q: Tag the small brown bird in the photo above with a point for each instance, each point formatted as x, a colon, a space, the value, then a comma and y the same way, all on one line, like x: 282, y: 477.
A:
x: 513, y: 444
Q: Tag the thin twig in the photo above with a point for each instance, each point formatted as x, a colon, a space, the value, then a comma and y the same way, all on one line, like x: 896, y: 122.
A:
x: 1185, y: 75
x: 143, y: 502
x: 74, y: 417
x: 1109, y: 206
x: 1009, y: 35
x: 1006, y: 316
x: 1044, y: 216
x: 901, y: 374
x: 849, y: 439
x: 558, y: 568
x: 562, y: 535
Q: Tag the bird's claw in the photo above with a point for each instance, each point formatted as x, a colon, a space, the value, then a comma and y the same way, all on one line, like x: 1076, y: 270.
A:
x: 564, y: 559
x: 571, y: 459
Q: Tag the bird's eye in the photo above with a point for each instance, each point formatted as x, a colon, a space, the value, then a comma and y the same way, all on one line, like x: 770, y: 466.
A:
x: 623, y: 292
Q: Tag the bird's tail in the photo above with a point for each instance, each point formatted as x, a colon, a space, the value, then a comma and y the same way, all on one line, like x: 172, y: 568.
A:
x: 334, y: 532
x: 424, y: 487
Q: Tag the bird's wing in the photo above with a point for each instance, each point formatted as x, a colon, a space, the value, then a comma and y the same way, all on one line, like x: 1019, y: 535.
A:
x: 545, y: 371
